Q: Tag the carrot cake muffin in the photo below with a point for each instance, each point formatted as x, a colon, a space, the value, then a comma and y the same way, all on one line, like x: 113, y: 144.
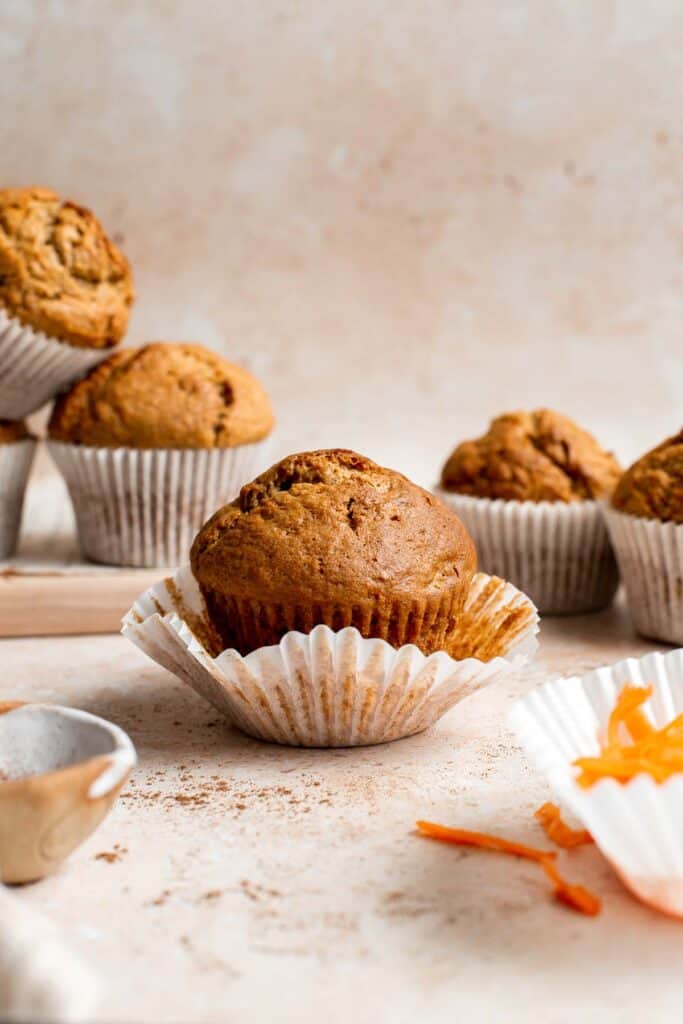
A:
x: 528, y: 491
x: 151, y: 442
x: 532, y: 456
x: 330, y: 537
x: 645, y: 521
x: 59, y: 272
x: 17, y: 448
x: 65, y: 296
x: 164, y: 395
x: 653, y: 487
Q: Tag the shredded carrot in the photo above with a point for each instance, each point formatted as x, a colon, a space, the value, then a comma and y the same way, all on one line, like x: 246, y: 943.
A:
x: 461, y: 837
x: 558, y: 831
x: 573, y: 896
x: 633, y: 745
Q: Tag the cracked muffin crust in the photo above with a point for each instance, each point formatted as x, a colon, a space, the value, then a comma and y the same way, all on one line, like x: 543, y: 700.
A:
x: 532, y: 456
x: 653, y: 486
x: 330, y: 537
x: 13, y: 430
x: 163, y: 395
x: 59, y: 272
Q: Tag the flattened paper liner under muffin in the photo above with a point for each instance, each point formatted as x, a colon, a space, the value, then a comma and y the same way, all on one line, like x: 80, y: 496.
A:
x: 327, y: 688
x: 35, y: 367
x: 557, y: 553
x: 143, y: 507
x: 637, y: 826
x: 15, y: 465
x: 650, y: 556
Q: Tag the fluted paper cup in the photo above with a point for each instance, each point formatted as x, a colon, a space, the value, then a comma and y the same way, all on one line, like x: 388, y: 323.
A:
x: 34, y: 367
x: 637, y: 826
x: 558, y: 553
x: 650, y: 556
x: 327, y: 688
x: 143, y: 507
x: 15, y: 465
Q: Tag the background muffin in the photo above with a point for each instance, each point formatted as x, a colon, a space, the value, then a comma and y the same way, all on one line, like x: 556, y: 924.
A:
x: 65, y: 295
x: 532, y: 456
x: 653, y: 486
x: 527, y: 491
x: 151, y: 442
x: 164, y: 396
x: 330, y: 537
x: 59, y: 272
x: 17, y: 449
x: 645, y: 521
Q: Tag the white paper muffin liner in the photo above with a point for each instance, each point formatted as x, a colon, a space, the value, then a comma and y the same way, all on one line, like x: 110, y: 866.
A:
x: 637, y: 826
x: 143, y: 507
x: 327, y: 688
x: 15, y: 465
x: 557, y: 553
x: 650, y: 556
x: 35, y: 367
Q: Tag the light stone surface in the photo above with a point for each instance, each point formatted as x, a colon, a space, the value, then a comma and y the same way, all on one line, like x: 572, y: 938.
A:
x: 257, y: 882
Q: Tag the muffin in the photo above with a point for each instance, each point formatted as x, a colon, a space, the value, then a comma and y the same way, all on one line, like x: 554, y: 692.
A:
x: 529, y: 491
x: 150, y: 443
x: 330, y: 537
x: 65, y: 296
x: 645, y: 521
x: 17, y: 449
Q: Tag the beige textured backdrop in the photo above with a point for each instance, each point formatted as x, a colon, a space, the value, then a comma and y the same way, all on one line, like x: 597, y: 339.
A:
x: 404, y: 216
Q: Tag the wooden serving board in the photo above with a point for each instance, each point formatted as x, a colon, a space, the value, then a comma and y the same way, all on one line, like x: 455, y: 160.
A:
x: 61, y: 602
x: 47, y: 589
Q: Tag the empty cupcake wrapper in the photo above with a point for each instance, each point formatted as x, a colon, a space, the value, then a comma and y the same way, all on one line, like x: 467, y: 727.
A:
x: 327, y: 688
x: 15, y: 466
x: 637, y: 826
x: 35, y: 367
x: 557, y: 553
x: 650, y: 556
x: 143, y: 507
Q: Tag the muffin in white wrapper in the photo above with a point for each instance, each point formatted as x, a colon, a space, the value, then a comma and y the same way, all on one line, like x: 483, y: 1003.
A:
x: 143, y: 507
x: 638, y: 826
x: 327, y: 688
x: 558, y: 553
x: 650, y: 556
x: 34, y: 367
x: 15, y: 465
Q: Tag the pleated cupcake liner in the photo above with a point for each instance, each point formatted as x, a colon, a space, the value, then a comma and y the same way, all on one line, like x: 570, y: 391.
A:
x: 143, y: 507
x: 15, y: 465
x: 35, y: 367
x: 330, y: 688
x: 557, y: 553
x: 650, y: 556
x: 246, y: 624
x: 637, y: 826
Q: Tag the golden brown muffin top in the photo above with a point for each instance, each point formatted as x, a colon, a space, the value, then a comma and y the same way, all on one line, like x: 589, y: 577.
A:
x: 653, y: 486
x: 59, y: 273
x: 163, y: 395
x: 12, y: 430
x: 332, y: 527
x: 532, y: 456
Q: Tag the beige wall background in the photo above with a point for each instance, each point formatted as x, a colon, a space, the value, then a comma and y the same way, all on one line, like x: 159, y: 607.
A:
x: 404, y: 216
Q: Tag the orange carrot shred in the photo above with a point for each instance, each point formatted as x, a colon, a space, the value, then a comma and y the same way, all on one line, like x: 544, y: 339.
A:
x: 461, y: 837
x: 558, y: 831
x: 573, y: 896
x: 656, y: 752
